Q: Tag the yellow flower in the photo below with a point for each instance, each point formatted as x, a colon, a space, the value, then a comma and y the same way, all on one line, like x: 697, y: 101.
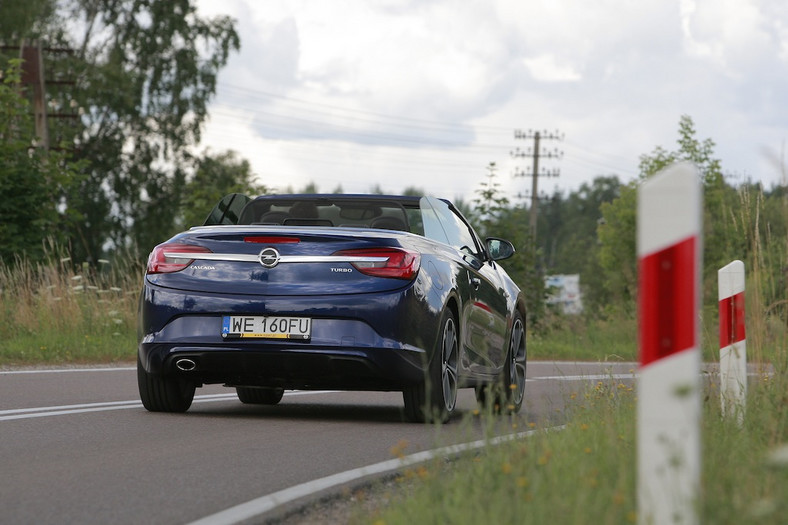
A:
x: 507, y: 468
x: 588, y: 450
x: 398, y: 450
x: 583, y: 426
x: 522, y: 482
x: 544, y: 459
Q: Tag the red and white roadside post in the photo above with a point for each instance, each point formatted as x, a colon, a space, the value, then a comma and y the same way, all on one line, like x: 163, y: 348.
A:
x: 733, y: 344
x: 669, y: 251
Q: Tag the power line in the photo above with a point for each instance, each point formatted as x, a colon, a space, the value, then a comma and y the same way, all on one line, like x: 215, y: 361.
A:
x: 536, y: 153
x: 403, y: 121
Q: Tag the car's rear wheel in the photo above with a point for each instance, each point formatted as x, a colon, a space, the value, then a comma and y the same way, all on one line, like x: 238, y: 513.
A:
x: 507, y: 394
x: 164, y: 394
x: 259, y: 395
x: 435, y: 398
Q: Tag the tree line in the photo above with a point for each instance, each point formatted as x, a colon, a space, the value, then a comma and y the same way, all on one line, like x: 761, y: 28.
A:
x: 121, y: 175
x: 592, y: 232
x: 128, y: 85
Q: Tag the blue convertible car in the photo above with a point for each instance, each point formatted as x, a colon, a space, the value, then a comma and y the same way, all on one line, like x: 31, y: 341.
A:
x: 350, y: 292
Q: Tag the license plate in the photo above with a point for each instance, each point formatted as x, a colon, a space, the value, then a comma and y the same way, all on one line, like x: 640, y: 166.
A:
x: 267, y: 327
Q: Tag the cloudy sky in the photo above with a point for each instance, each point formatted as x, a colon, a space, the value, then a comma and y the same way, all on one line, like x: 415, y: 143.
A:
x: 427, y: 93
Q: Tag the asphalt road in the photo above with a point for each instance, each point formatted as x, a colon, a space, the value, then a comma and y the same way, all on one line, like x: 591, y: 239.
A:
x: 76, y: 446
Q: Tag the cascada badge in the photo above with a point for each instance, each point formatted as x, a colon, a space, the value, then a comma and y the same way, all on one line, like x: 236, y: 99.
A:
x: 269, y: 257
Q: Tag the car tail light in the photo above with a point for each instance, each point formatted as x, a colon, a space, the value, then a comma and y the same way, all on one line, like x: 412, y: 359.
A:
x: 395, y: 263
x: 160, y: 262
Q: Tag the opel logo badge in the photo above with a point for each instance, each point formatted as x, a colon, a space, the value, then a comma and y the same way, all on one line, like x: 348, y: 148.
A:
x: 269, y: 257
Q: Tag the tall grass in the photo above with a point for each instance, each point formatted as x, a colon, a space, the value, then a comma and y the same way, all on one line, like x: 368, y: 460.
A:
x: 586, y: 472
x: 53, y: 312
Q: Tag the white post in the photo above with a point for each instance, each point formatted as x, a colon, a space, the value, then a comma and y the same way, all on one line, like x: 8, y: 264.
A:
x: 733, y: 343
x: 669, y: 386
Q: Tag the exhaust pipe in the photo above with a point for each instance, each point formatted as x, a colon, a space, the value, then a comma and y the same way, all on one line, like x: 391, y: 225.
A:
x: 185, y: 365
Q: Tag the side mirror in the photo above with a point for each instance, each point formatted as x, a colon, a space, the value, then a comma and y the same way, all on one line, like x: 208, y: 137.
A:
x: 499, y: 249
x: 228, y: 210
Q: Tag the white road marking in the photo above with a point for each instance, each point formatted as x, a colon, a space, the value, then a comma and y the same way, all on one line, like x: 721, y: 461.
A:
x: 30, y: 413
x: 264, y: 504
x: 65, y: 370
x: 588, y: 377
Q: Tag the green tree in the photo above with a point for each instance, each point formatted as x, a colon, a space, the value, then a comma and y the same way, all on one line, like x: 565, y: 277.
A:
x: 215, y: 177
x: 26, y: 19
x: 524, y: 267
x: 144, y: 72
x: 490, y: 201
x: 492, y: 215
x: 617, y: 233
x: 31, y: 180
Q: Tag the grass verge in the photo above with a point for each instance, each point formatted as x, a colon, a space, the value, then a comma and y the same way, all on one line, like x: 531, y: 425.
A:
x: 586, y: 473
x: 54, y: 313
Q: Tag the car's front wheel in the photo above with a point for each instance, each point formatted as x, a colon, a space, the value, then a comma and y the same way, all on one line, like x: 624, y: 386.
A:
x: 435, y: 398
x: 259, y: 396
x: 164, y: 394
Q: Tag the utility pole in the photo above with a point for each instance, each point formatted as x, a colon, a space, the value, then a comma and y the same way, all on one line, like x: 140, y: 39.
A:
x: 33, y: 74
x: 535, y: 154
x: 52, y: 127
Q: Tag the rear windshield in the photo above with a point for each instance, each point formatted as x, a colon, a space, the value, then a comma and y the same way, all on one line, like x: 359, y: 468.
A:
x: 390, y: 215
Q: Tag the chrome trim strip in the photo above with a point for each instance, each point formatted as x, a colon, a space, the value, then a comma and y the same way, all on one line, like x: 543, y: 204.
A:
x: 237, y: 257
x: 254, y: 258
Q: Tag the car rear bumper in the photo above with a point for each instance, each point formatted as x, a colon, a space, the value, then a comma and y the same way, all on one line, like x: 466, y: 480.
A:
x: 361, y: 342
x: 289, y: 367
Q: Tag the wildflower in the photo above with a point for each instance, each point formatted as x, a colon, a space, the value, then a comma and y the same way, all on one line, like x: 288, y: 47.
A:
x: 583, y: 426
x: 398, y: 450
x: 506, y: 468
x: 544, y: 459
x: 522, y: 482
x: 587, y: 450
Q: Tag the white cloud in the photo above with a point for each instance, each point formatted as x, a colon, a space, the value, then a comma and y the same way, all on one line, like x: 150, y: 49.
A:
x: 545, y: 69
x: 427, y: 93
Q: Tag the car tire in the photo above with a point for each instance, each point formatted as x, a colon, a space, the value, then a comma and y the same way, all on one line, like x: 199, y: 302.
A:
x: 507, y: 393
x: 434, y: 399
x: 259, y: 395
x: 164, y: 394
